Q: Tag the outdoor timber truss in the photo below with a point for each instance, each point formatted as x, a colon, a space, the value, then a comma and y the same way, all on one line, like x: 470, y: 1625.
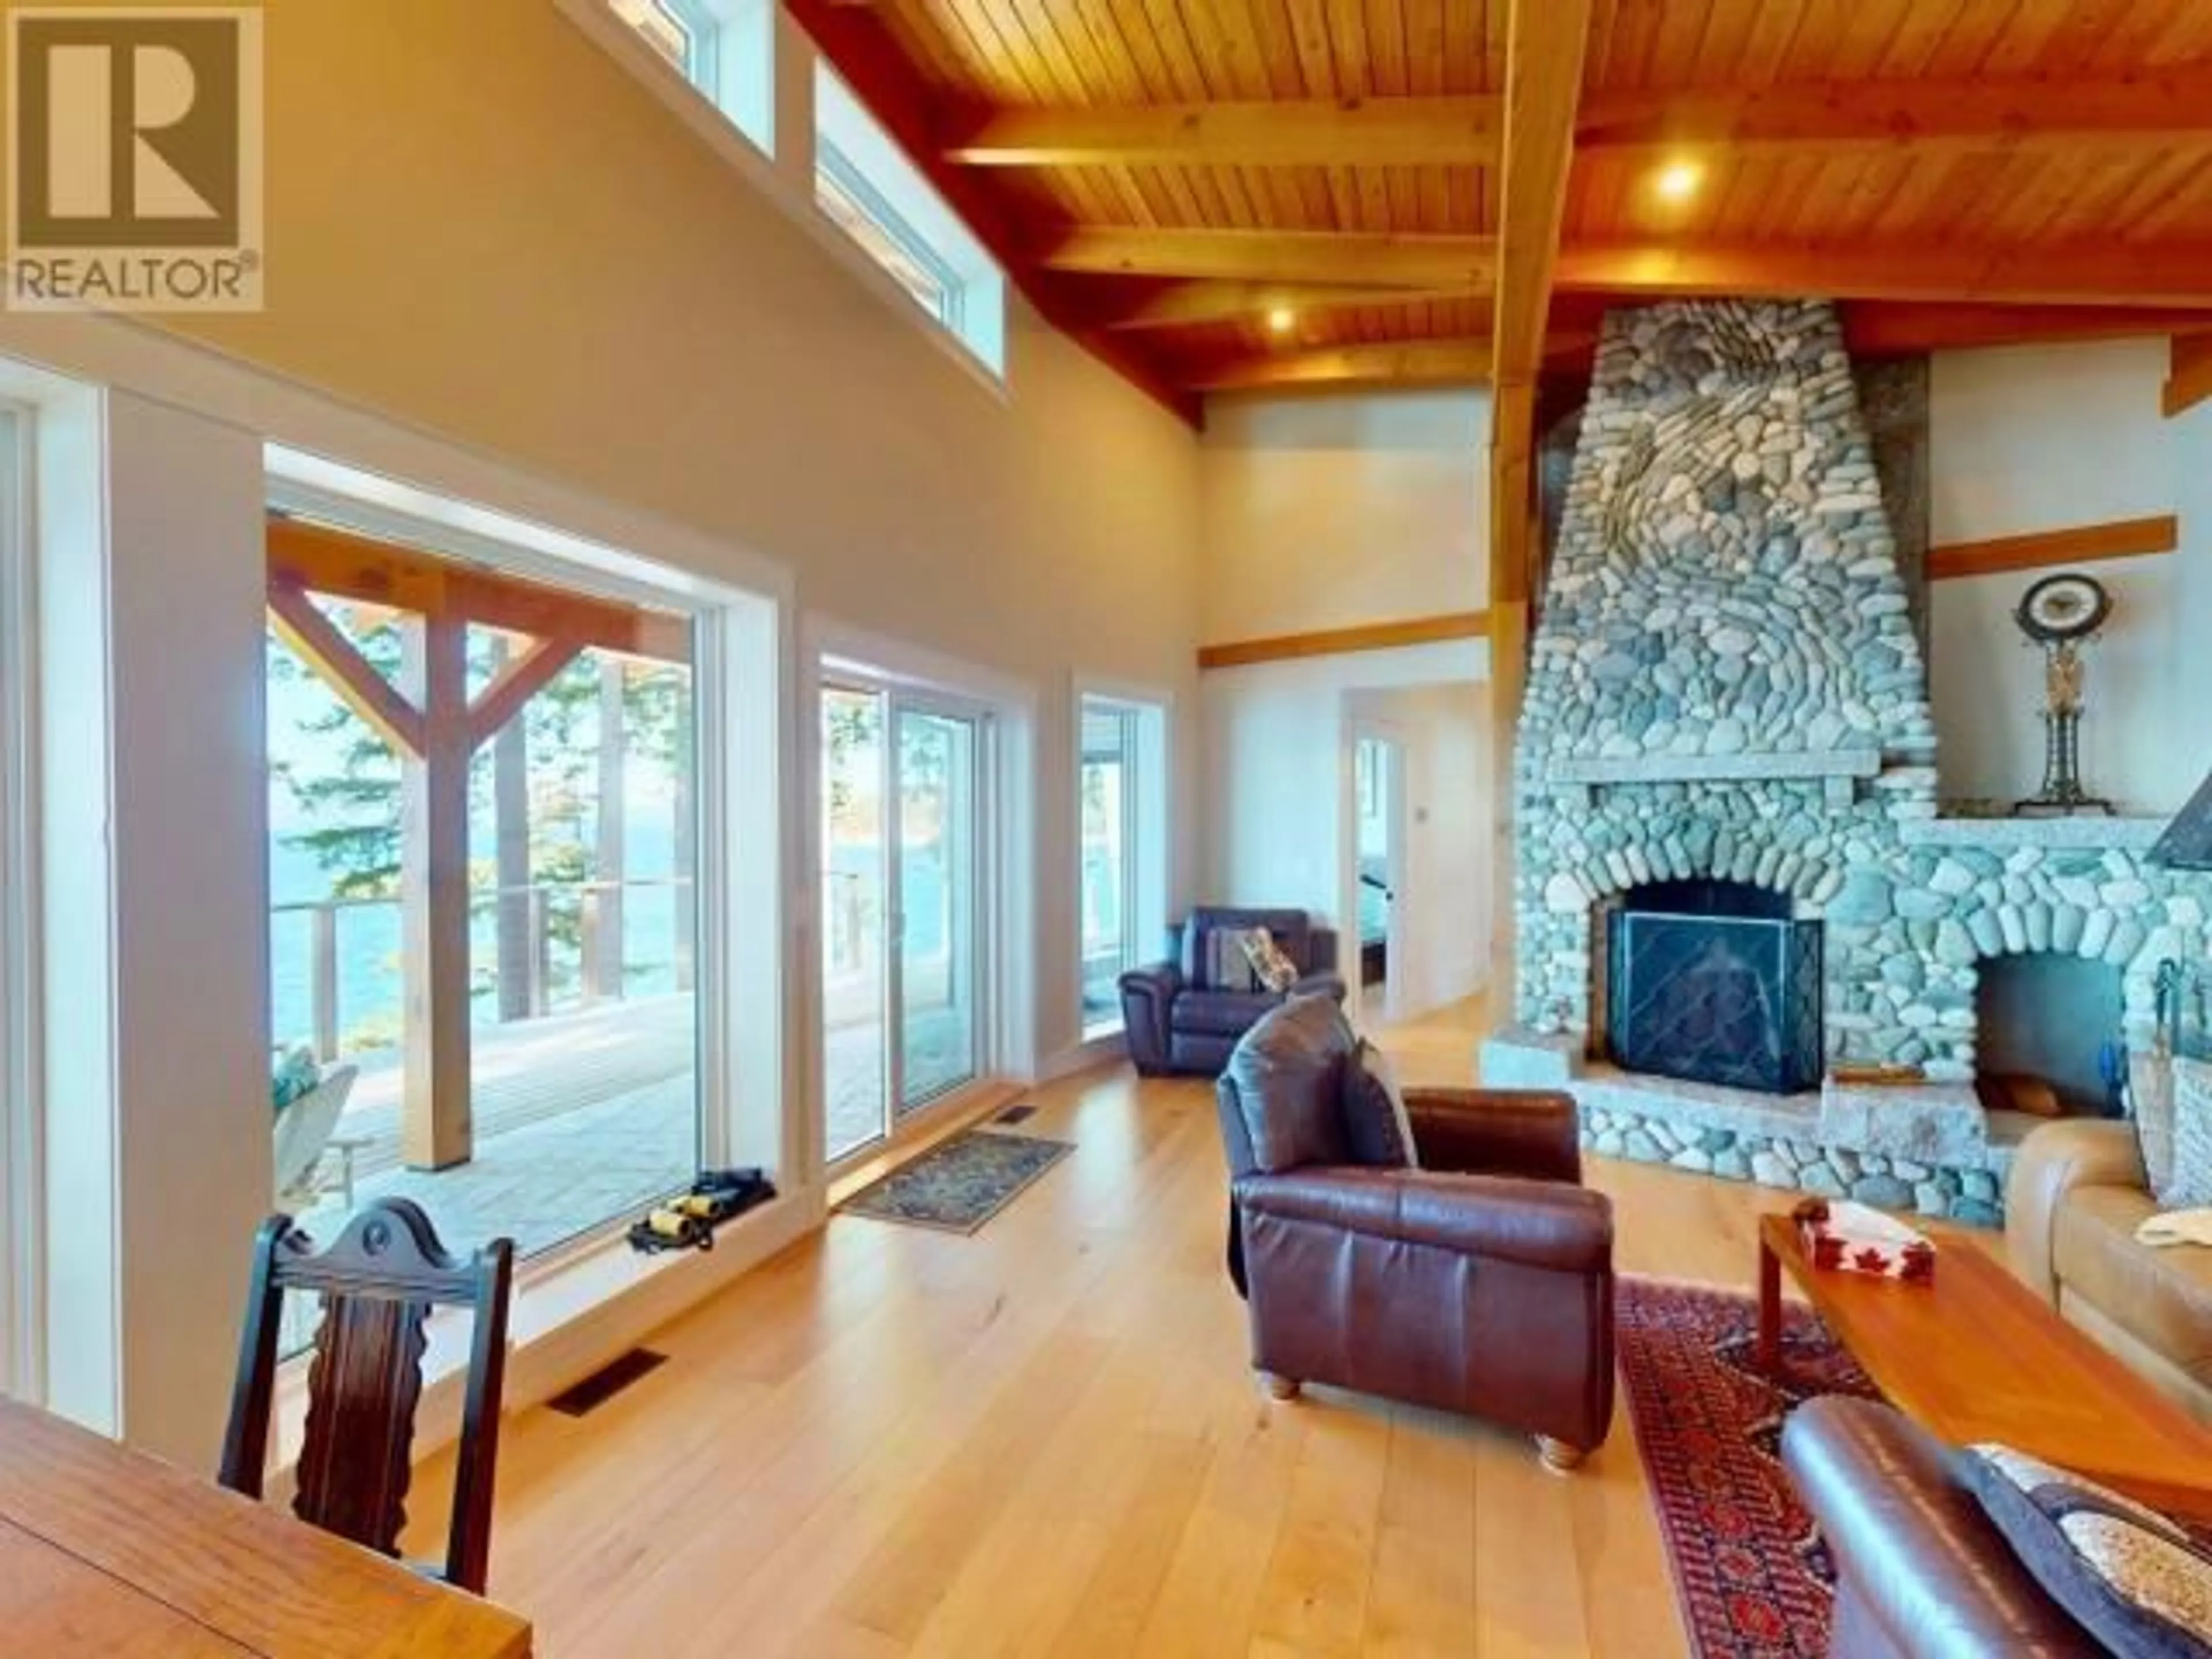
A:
x: 435, y: 727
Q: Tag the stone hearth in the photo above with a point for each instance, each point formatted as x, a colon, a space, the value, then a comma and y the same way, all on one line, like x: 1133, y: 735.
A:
x: 1725, y: 684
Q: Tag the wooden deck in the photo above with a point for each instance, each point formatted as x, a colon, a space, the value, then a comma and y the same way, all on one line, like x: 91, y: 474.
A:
x: 531, y: 1071
x: 582, y: 1117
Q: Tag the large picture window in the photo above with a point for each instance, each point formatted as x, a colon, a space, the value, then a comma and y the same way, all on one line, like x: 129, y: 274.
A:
x: 483, y: 931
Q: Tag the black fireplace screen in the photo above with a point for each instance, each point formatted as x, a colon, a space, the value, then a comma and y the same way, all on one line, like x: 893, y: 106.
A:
x: 1711, y: 998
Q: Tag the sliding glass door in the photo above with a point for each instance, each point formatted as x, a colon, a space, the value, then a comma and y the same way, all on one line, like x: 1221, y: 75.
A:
x: 902, y: 904
x: 935, y: 878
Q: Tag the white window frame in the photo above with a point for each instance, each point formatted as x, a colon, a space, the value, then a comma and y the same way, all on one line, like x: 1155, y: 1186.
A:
x: 836, y: 169
x: 782, y: 168
x: 727, y: 898
x: 22, y: 1157
x: 1148, y: 827
x: 851, y: 145
x: 731, y: 68
x: 831, y: 651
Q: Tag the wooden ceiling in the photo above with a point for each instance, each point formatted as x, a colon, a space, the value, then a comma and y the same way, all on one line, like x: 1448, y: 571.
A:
x: 1162, y: 175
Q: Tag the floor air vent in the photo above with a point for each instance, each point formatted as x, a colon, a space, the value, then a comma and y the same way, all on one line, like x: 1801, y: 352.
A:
x: 583, y: 1398
x: 1016, y: 1115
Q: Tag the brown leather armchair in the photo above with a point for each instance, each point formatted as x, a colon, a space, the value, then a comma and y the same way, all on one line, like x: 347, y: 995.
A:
x: 1921, y: 1573
x: 1177, y: 1022
x: 1480, y: 1282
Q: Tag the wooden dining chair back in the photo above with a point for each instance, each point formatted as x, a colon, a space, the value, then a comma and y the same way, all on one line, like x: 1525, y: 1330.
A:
x: 378, y: 1279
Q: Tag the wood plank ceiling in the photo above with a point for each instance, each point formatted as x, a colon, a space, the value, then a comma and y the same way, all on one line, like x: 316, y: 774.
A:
x: 1233, y: 192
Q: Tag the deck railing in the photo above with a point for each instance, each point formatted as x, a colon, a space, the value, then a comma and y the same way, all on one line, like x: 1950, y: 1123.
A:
x: 602, y: 976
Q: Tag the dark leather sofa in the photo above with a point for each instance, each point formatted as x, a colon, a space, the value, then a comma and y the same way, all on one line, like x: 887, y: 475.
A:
x: 1921, y: 1573
x: 1176, y: 1020
x: 1480, y: 1282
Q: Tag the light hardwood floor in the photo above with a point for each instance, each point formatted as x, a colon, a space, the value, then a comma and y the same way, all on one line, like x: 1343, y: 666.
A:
x: 1043, y: 1440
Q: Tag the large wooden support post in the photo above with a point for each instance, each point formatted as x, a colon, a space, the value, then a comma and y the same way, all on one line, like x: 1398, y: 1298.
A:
x: 519, y: 995
x: 1544, y: 44
x: 686, y: 811
x: 435, y: 1130
x: 1512, y: 513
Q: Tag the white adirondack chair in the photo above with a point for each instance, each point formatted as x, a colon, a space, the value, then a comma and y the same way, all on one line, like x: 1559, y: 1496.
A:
x: 303, y: 1136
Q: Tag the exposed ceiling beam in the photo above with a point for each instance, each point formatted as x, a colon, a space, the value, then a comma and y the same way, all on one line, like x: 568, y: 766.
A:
x: 2162, y: 106
x: 1307, y: 132
x: 1233, y: 301
x: 2157, y: 106
x: 1238, y: 270
x: 2102, y: 274
x: 1877, y: 328
x: 1543, y: 86
x: 857, y: 44
x: 1381, y: 258
x: 1392, y: 362
x: 2188, y: 373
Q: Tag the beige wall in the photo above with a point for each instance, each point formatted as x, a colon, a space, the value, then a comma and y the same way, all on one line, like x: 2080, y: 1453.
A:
x: 483, y: 230
x: 1323, y: 511
x: 2039, y: 438
x: 482, y: 225
x: 479, y: 221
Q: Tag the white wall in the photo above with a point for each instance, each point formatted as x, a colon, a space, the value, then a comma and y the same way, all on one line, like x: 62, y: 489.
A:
x: 1279, y: 770
x: 1440, y: 943
x: 2031, y: 439
x: 1323, y: 511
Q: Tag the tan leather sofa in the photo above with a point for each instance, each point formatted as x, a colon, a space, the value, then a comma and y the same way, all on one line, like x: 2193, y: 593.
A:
x: 2076, y: 1195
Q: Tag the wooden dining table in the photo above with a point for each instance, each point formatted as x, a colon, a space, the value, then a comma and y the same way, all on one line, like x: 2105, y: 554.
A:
x: 106, y: 1550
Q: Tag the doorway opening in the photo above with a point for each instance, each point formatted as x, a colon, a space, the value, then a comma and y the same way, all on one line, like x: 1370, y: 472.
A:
x: 1378, y: 791
x: 1412, y: 839
x: 905, y: 808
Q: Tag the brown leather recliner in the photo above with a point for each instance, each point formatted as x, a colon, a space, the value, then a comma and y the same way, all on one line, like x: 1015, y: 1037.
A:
x: 1480, y: 1282
x: 1921, y: 1572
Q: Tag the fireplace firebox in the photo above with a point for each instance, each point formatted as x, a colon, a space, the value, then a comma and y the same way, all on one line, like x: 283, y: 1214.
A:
x: 1712, y: 982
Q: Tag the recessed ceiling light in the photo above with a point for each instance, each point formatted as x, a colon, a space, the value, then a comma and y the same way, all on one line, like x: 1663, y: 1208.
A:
x: 1281, y: 318
x: 1678, y: 182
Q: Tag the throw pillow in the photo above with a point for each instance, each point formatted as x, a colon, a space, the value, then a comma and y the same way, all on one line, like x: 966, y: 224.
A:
x: 1270, y: 965
x: 1377, y: 1128
x: 294, y: 1077
x: 1228, y: 963
x: 2134, y: 1580
x: 2189, y: 1176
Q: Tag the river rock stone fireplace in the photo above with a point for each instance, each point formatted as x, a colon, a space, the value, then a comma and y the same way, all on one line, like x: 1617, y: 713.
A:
x: 1726, y: 691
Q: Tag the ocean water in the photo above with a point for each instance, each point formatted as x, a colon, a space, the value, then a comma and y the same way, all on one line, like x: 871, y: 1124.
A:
x: 370, y: 989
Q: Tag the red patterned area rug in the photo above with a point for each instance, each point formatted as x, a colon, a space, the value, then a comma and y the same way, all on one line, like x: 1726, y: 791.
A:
x: 1751, y: 1575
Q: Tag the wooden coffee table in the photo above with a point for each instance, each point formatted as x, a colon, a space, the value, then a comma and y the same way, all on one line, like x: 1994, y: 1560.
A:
x: 1978, y: 1356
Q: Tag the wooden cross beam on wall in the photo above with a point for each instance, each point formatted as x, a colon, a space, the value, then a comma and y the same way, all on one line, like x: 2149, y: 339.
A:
x: 435, y: 728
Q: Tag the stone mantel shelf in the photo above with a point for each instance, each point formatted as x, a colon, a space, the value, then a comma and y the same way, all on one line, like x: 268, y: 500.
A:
x: 2089, y: 833
x: 1715, y: 769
